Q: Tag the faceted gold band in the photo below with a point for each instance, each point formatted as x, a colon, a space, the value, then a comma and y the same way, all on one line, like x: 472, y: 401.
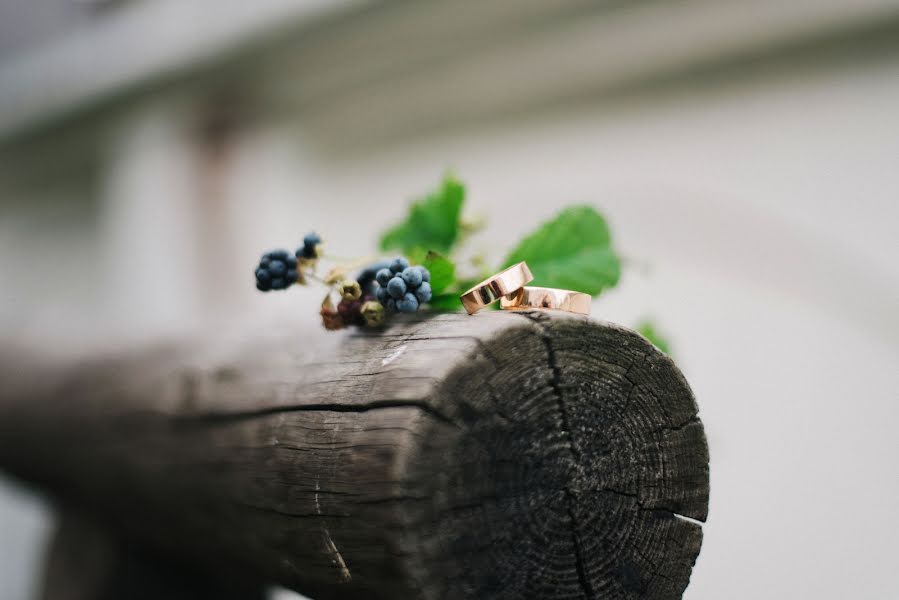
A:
x: 539, y: 297
x: 492, y: 289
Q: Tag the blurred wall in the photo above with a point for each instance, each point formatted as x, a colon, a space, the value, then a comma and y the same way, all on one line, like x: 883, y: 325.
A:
x: 744, y: 153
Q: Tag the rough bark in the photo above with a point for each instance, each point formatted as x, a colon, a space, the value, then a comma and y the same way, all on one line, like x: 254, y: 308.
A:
x: 503, y: 455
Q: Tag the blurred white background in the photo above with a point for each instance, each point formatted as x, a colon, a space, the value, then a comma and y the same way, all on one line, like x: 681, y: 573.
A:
x: 745, y: 153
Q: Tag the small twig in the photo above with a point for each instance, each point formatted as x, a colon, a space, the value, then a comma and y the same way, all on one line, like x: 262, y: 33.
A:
x: 311, y: 275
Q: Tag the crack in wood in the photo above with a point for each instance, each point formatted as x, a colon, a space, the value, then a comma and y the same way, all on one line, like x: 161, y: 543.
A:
x: 668, y: 512
x: 331, y: 547
x: 212, y: 417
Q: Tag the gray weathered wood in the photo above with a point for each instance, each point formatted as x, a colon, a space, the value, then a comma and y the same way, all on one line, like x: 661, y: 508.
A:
x: 85, y: 561
x: 504, y: 455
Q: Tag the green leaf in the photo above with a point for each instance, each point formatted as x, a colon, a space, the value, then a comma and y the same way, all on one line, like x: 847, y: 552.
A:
x: 443, y: 272
x: 647, y: 329
x: 572, y: 251
x: 417, y: 256
x: 433, y: 222
x: 445, y: 302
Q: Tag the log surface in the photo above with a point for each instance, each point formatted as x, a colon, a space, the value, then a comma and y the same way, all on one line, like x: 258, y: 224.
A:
x: 504, y: 455
x: 85, y: 561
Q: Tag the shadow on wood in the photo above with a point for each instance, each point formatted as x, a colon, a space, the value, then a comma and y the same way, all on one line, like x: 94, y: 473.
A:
x: 504, y: 455
x: 86, y: 562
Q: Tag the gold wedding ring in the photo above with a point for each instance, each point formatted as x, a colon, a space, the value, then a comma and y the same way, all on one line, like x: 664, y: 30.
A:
x: 496, y: 287
x: 540, y: 297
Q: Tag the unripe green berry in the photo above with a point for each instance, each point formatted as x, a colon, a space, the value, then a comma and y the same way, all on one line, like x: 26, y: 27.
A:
x: 373, y: 313
x: 350, y: 289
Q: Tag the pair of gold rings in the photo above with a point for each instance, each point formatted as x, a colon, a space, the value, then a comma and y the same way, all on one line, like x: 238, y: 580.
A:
x: 511, y: 289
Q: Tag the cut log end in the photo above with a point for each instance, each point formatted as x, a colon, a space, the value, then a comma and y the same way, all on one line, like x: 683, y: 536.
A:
x: 577, y: 468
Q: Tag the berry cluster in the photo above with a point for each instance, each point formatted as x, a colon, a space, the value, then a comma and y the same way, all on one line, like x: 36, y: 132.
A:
x: 276, y: 271
x: 403, y: 288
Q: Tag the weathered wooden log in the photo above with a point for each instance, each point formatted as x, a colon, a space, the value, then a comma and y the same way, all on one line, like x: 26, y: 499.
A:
x: 85, y: 561
x: 503, y: 455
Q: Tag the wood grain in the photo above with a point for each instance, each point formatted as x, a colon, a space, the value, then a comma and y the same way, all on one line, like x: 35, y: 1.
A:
x: 503, y: 455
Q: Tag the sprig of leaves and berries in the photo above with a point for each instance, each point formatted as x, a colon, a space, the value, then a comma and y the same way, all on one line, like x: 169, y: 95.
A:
x: 378, y: 290
x: 573, y: 251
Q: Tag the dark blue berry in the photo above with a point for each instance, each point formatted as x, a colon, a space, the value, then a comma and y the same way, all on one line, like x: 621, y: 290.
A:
x: 309, y: 249
x: 398, y: 264
x: 425, y: 274
x: 374, y: 267
x: 263, y: 286
x: 263, y: 262
x: 291, y: 262
x: 278, y: 284
x: 383, y: 276
x: 277, y: 268
x: 310, y: 246
x: 408, y: 303
x: 278, y: 254
x: 291, y: 276
x: 263, y: 275
x: 412, y: 277
x: 371, y: 270
x: 312, y: 239
x: 366, y: 277
x: 382, y: 295
x: 391, y: 305
x: 396, y: 287
x: 423, y: 293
